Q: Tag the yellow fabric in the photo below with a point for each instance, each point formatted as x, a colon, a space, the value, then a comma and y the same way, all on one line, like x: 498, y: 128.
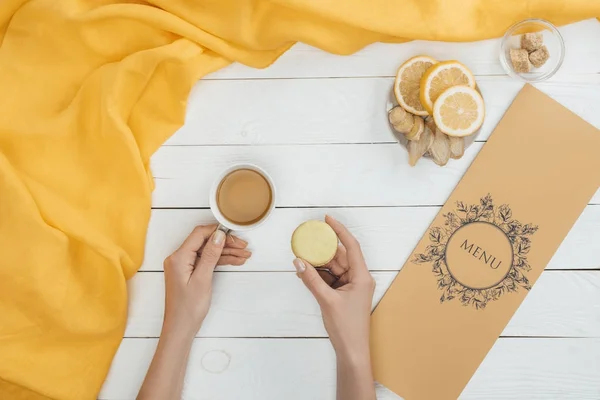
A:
x: 89, y: 89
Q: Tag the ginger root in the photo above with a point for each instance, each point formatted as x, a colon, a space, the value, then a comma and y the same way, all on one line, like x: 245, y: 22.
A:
x: 440, y: 148
x: 430, y: 123
x: 418, y: 148
x: 401, y: 121
x: 417, y: 129
x: 457, y: 147
x: 411, y: 126
x: 424, y: 138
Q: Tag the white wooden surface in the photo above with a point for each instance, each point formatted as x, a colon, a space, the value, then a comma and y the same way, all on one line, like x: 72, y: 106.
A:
x: 317, y: 123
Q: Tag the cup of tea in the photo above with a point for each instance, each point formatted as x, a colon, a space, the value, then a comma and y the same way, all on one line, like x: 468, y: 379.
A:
x: 242, y: 197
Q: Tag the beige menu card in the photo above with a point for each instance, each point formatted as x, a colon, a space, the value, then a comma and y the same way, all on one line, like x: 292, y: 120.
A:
x: 485, y: 249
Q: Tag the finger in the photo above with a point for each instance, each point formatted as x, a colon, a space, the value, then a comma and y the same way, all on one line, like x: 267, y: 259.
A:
x: 339, y: 264
x: 340, y: 283
x: 233, y: 251
x: 355, y: 257
x: 313, y: 281
x: 327, y: 276
x: 210, y: 256
x: 343, y: 277
x: 235, y: 242
x: 241, y: 253
x: 347, y: 239
x: 198, y: 237
x: 341, y: 256
x: 232, y: 260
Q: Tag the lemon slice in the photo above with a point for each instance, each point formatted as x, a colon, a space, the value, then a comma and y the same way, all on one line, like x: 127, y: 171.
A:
x: 440, y: 77
x: 315, y: 241
x: 408, y: 80
x: 459, y: 111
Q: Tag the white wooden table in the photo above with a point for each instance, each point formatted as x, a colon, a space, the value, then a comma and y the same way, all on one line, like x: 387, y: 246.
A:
x: 317, y: 122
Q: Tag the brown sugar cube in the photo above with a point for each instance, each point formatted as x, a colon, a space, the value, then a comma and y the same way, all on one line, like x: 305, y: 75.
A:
x: 539, y: 57
x: 520, y: 60
x: 532, y: 41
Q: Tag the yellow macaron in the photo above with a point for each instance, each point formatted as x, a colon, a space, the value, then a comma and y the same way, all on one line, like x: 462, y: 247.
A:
x: 315, y: 241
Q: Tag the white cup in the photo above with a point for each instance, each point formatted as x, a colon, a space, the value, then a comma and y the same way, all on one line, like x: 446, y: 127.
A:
x: 226, y: 225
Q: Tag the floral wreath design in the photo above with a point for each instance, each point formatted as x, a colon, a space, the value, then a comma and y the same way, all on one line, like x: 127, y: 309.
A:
x: 517, y: 233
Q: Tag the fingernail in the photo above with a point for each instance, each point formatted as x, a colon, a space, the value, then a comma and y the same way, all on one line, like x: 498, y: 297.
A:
x: 329, y: 216
x: 299, y: 264
x: 218, y: 237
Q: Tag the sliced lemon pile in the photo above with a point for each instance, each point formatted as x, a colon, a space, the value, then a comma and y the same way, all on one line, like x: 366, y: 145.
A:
x: 440, y: 77
x: 444, y: 92
x: 459, y: 111
x: 407, y: 84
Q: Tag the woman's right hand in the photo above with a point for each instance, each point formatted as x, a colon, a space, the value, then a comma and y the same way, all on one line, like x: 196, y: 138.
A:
x: 345, y: 302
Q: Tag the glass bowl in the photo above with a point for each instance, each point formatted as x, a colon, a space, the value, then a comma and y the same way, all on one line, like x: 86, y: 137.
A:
x: 552, y: 40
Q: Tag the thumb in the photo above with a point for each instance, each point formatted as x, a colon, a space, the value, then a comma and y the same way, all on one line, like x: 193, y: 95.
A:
x: 211, y: 253
x: 312, y: 280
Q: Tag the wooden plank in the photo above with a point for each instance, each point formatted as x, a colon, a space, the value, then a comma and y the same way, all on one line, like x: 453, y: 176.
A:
x: 317, y: 111
x: 299, y: 369
x: 316, y: 175
x: 388, y: 236
x: 267, y: 304
x: 323, y: 175
x: 538, y: 369
x: 582, y: 56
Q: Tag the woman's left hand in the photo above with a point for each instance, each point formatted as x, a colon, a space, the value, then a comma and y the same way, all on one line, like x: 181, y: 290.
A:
x: 188, y: 276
